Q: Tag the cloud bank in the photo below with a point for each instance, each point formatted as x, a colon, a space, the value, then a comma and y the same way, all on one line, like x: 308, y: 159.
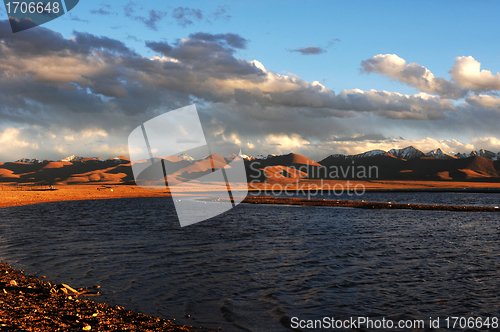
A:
x: 53, y: 88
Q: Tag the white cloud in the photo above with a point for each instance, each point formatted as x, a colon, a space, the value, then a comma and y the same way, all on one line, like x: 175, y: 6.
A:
x: 467, y: 72
x: 93, y: 133
x: 56, y: 143
x: 486, y: 101
x: 12, y: 138
x: 487, y: 143
x: 86, y: 94
x: 412, y: 74
x: 285, y: 143
x: 395, y: 105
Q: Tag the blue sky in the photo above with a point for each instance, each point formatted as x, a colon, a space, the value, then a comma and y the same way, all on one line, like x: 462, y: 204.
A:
x: 390, y: 101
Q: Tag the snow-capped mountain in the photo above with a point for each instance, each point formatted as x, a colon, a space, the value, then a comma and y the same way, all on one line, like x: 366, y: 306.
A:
x: 233, y: 156
x: 407, y: 153
x: 438, y: 153
x: 261, y: 157
x: 485, y: 154
x: 460, y: 155
x: 28, y: 161
x: 338, y: 155
x: 186, y: 157
x: 75, y: 158
x: 371, y: 153
x: 120, y: 160
x: 72, y: 158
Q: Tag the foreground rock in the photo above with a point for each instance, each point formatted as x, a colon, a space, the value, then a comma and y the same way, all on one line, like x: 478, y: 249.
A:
x: 30, y: 304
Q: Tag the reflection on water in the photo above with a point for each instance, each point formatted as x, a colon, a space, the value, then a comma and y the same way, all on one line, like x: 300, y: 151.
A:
x: 258, y: 265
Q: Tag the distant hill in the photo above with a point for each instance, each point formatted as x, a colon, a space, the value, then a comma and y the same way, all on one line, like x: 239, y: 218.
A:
x: 397, y: 164
x: 77, y: 170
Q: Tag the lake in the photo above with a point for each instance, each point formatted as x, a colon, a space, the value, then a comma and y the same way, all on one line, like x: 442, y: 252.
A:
x: 257, y: 266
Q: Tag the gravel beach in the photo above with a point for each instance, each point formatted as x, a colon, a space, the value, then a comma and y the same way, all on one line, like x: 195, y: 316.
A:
x: 28, y: 303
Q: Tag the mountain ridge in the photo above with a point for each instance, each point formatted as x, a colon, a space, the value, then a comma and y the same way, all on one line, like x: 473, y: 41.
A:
x: 397, y: 164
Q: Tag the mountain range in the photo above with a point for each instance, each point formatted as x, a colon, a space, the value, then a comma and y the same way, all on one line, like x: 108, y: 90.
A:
x: 397, y: 164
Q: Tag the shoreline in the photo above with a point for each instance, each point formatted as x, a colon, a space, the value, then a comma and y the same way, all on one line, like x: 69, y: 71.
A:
x: 29, y: 303
x: 11, y: 198
x: 365, y: 205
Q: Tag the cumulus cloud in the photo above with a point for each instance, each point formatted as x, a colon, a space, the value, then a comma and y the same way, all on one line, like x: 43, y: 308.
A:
x: 487, y: 143
x: 486, y: 101
x: 56, y: 142
x: 467, y: 79
x: 467, y: 72
x: 99, y: 84
x: 412, y: 74
x: 54, y: 71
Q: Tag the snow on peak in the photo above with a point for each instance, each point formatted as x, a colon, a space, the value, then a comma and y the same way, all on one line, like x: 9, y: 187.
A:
x: 438, y: 153
x: 371, y: 153
x: 28, y: 161
x: 75, y: 158
x: 72, y: 158
x: 407, y: 153
x: 481, y: 153
x: 186, y: 157
x: 261, y: 157
x: 487, y: 154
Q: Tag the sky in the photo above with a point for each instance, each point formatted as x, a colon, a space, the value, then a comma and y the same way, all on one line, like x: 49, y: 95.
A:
x: 310, y: 77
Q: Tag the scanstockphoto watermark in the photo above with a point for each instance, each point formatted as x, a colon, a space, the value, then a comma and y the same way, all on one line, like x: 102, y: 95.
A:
x: 322, y: 176
x: 358, y: 323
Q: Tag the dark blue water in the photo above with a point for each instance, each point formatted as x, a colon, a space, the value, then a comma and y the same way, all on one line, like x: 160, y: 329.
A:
x: 255, y: 267
x: 442, y: 198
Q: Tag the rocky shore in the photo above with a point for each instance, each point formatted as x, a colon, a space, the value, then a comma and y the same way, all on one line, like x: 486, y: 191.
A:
x: 28, y: 303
